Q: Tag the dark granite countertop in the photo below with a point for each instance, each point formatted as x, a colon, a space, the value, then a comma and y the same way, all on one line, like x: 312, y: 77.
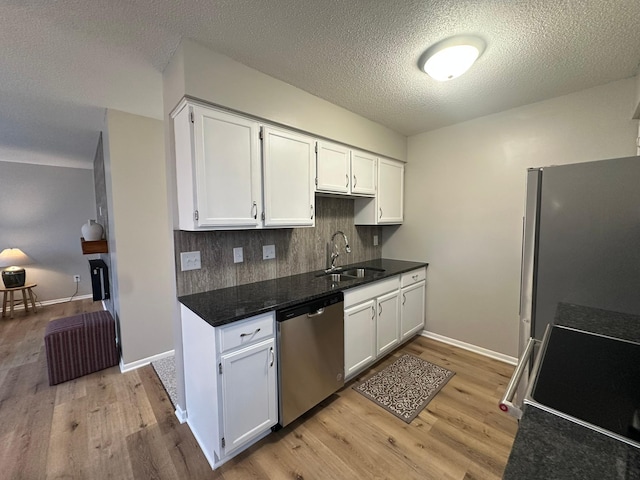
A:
x: 550, y: 447
x: 603, y: 322
x: 226, y: 305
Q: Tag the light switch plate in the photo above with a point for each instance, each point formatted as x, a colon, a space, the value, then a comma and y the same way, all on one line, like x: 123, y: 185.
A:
x: 375, y: 240
x: 238, y: 256
x: 190, y: 261
x: 268, y: 252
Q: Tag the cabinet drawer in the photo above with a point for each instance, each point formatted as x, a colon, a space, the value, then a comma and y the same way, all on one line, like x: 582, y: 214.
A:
x: 414, y: 276
x: 246, y: 332
x: 353, y: 296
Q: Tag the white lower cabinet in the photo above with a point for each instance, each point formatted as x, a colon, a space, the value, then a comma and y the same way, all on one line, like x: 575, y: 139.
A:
x: 230, y: 376
x: 381, y: 315
x: 412, y: 309
x: 388, y: 323
x: 359, y: 337
x: 370, y: 320
x: 412, y: 302
x: 248, y: 393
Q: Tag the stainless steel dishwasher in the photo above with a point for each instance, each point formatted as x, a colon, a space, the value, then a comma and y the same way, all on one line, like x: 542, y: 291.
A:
x: 310, y: 339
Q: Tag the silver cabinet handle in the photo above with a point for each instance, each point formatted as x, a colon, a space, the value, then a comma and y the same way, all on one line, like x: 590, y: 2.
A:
x: 506, y: 404
x: 242, y: 335
x: 355, y: 181
x: 273, y: 357
x: 311, y: 212
x: 379, y: 309
x: 404, y: 298
x: 317, y: 313
x: 254, y: 210
x: 347, y: 180
x: 373, y: 312
x: 380, y: 212
x: 415, y: 278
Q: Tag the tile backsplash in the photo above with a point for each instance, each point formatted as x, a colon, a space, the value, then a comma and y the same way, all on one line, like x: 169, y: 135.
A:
x: 298, y: 250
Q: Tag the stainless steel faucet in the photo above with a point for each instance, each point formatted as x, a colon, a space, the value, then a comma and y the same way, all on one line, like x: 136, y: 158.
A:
x: 335, y: 253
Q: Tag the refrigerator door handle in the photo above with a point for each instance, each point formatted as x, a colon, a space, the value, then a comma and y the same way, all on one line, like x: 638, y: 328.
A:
x: 506, y: 404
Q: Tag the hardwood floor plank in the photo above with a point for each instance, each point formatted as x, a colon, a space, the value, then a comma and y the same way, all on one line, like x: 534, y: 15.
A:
x: 26, y: 412
x: 108, y: 455
x: 69, y: 441
x: 110, y: 425
x: 187, y: 457
x: 149, y: 456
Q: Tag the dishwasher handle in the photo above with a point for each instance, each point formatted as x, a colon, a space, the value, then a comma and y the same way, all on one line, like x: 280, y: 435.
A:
x: 317, y: 313
x: 506, y: 404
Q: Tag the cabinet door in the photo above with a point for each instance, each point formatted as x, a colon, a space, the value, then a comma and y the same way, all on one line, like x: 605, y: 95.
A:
x: 388, y: 323
x: 390, y: 191
x: 333, y: 168
x: 363, y: 173
x: 412, y: 309
x: 249, y: 402
x: 289, y: 174
x: 227, y: 169
x: 359, y: 337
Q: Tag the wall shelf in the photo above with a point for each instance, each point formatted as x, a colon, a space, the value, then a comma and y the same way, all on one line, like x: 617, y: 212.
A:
x: 91, y: 247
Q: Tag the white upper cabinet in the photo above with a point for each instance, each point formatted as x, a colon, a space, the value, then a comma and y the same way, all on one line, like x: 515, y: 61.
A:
x: 289, y: 177
x: 344, y: 171
x: 218, y: 169
x: 390, y: 191
x: 333, y: 168
x: 388, y: 205
x: 363, y: 173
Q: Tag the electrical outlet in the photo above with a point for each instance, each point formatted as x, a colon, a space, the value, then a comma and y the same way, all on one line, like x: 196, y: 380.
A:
x: 76, y: 278
x: 190, y: 261
x: 238, y: 256
x: 375, y: 240
x: 268, y: 252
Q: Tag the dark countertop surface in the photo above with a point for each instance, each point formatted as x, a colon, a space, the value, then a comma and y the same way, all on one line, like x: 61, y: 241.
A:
x: 226, y: 305
x: 550, y: 447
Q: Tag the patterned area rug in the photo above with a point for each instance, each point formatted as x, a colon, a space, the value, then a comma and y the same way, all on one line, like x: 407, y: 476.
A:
x: 406, y: 386
x: 166, y: 370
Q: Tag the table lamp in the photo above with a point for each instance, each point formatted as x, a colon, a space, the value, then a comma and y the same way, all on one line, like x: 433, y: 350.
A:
x: 13, y: 276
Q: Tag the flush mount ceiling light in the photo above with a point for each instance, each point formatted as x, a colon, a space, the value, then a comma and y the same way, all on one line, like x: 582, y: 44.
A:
x: 452, y: 57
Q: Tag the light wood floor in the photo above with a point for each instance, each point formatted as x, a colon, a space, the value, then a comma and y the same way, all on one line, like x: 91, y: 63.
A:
x: 120, y: 426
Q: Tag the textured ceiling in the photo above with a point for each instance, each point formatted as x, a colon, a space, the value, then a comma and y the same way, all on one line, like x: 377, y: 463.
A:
x: 64, y: 61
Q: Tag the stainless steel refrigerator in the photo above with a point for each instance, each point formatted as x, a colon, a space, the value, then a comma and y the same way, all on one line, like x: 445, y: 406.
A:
x: 581, y: 240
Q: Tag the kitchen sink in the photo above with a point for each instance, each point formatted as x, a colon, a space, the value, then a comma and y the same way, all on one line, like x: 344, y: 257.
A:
x: 340, y: 274
x: 592, y: 380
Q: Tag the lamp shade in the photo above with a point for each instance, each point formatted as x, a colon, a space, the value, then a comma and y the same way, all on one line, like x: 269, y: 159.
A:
x: 10, y: 257
x: 13, y: 276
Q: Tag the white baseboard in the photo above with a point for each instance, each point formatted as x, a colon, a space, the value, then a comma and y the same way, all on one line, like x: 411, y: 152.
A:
x: 472, y: 348
x: 127, y: 367
x: 181, y: 414
x: 44, y: 303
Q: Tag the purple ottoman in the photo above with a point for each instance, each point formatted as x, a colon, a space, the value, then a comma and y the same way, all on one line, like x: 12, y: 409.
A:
x: 80, y: 345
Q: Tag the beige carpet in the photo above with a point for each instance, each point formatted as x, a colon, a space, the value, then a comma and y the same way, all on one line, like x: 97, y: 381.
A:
x: 406, y: 386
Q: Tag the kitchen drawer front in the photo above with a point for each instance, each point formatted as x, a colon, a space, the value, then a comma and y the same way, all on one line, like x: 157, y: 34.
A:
x: 246, y: 332
x: 413, y: 276
x: 353, y: 296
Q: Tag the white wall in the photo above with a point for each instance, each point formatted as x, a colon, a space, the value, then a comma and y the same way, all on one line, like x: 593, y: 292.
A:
x: 465, y: 187
x: 218, y: 79
x: 140, y: 235
x: 42, y: 209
